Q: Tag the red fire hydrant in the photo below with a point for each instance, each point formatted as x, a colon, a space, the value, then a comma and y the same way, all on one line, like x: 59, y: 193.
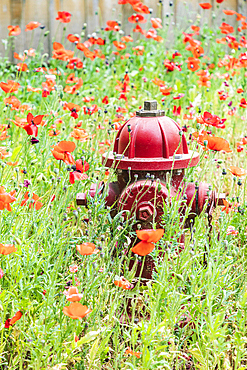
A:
x: 148, y: 149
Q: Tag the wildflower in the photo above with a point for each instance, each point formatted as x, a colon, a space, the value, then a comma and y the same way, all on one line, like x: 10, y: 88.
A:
x: 229, y: 12
x: 112, y: 26
x: 123, y: 283
x: 34, y: 201
x: 226, y: 28
x: 63, y: 17
x: 129, y: 351
x: 1, y: 273
x: 156, y: 22
x: 31, y: 128
x: 211, y: 120
x: 72, y: 294
x: 229, y: 207
x: 79, y: 134
x: 6, y: 249
x: 73, y: 38
x: 6, y: 199
x: 193, y: 64
x: 176, y: 110
x: 32, y: 25
x: 126, y: 39
x: 243, y: 103
x: 9, y: 87
x: 60, y: 53
x: 148, y: 237
x: 137, y: 18
x: 105, y: 100
x: 73, y: 268
x: 11, y: 322
x: 62, y: 151
x: 231, y: 231
x: 236, y: 171
x: 14, y: 30
x: 76, y: 310
x: 86, y: 249
x: 26, y: 183
x: 79, y: 173
x: 119, y: 45
x: 205, y: 5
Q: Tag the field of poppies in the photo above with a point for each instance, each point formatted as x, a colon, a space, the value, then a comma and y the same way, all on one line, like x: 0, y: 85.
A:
x: 68, y: 299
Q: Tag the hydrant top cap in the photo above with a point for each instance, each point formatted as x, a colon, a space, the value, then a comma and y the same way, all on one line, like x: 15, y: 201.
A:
x: 150, y: 141
x: 150, y: 110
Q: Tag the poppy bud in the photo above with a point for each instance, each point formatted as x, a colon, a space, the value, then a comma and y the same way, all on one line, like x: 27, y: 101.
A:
x: 46, y: 33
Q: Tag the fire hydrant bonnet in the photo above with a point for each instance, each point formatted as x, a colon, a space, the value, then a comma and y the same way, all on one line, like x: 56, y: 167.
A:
x: 150, y: 141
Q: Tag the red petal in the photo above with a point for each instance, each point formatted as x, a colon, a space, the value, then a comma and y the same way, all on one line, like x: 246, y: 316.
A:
x: 143, y: 248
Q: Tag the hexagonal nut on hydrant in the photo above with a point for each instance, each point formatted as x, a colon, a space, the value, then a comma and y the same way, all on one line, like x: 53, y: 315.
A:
x: 145, y: 212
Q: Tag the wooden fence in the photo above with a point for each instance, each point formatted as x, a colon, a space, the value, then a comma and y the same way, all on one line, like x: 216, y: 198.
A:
x: 95, y: 13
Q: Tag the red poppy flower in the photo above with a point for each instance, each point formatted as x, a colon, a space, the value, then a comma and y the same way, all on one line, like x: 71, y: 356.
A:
x: 31, y: 128
x: 139, y: 7
x: 129, y: 351
x: 219, y: 1
x: 6, y: 249
x: 112, y: 26
x: 90, y: 110
x: 60, y: 53
x: 229, y: 12
x: 165, y: 90
x: 105, y: 100
x: 34, y: 203
x: 205, y: 5
x: 196, y: 29
x: 73, y: 38
x: 236, y: 171
x: 79, y: 173
x: 9, y: 87
x: 148, y: 237
x: 226, y: 28
x: 62, y: 151
x: 137, y: 18
x: 176, y: 110
x: 193, y: 64
x: 156, y: 22
x: 123, y: 283
x: 63, y: 17
x: 10, y: 322
x: 76, y: 310
x: 6, y: 199
x: 86, y: 249
x: 72, y: 294
x: 14, y: 30
x: 139, y: 29
x: 229, y: 207
x: 211, y: 120
x: 32, y: 25
x: 119, y: 45
x: 214, y: 143
x: 243, y: 103
x: 126, y: 39
x: 22, y: 67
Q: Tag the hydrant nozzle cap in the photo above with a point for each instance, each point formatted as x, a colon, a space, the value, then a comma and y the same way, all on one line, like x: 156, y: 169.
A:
x: 150, y: 110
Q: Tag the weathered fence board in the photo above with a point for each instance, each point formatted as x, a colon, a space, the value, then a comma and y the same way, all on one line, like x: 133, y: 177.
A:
x: 95, y: 13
